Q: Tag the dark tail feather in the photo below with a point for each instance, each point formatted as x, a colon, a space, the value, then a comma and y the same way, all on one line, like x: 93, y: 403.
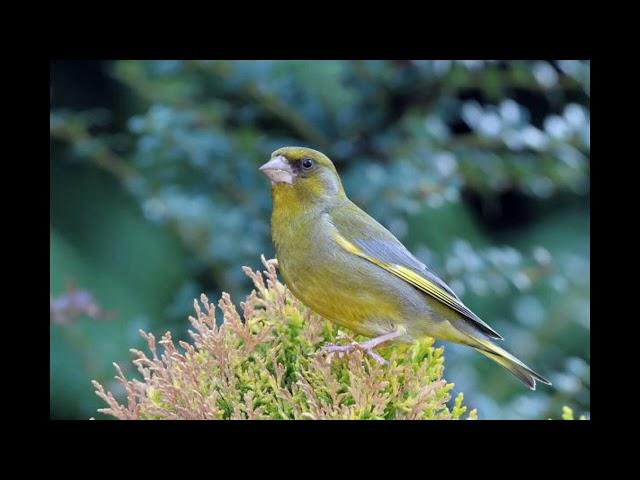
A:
x: 508, y: 361
x: 515, y: 366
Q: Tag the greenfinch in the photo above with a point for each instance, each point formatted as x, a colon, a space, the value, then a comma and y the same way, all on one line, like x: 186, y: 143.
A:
x: 348, y: 268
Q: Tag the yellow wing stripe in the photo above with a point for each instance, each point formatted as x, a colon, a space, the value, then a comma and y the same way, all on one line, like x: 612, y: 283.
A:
x: 404, y: 273
x: 348, y: 246
x: 424, y: 285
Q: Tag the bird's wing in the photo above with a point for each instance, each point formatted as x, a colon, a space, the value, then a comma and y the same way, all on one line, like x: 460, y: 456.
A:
x: 361, y: 235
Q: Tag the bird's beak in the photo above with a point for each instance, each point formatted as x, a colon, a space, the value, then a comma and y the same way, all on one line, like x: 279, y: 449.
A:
x: 278, y: 170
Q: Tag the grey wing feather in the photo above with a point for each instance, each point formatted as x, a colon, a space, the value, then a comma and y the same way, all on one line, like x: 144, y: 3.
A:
x: 394, y: 252
x: 398, y: 254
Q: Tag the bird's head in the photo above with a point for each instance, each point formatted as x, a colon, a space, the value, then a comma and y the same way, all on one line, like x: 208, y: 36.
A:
x: 307, y: 173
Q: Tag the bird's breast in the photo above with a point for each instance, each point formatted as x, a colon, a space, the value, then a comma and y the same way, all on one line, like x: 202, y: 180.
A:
x: 333, y: 283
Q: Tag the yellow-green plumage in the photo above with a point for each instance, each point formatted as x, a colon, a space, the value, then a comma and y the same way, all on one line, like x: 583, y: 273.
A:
x: 348, y: 268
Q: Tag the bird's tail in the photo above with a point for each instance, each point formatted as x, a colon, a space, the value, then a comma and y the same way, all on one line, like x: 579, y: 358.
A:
x: 511, y: 363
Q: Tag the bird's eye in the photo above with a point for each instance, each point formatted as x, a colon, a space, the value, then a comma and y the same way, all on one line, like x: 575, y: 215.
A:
x: 307, y: 163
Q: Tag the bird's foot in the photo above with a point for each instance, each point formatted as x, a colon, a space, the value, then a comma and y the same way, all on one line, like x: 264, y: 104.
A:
x: 366, y: 347
x: 342, y: 349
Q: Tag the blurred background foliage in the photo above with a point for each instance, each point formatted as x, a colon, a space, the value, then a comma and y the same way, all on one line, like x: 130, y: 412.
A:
x: 480, y: 167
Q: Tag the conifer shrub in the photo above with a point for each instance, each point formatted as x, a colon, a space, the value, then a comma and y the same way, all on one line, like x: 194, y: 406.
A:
x: 263, y: 363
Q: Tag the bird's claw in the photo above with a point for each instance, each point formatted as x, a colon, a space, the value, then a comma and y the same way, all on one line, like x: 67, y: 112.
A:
x: 342, y: 349
x: 376, y: 357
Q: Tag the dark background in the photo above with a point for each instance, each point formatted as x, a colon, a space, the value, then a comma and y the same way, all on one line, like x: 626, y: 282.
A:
x: 480, y: 167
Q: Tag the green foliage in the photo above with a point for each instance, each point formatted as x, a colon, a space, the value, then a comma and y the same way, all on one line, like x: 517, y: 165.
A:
x: 480, y: 167
x: 567, y: 414
x: 265, y: 365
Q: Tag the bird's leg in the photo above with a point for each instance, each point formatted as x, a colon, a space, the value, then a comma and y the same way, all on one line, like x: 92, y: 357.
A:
x: 366, y: 347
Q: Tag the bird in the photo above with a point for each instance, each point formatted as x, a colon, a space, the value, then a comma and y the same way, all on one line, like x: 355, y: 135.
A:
x: 349, y: 269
